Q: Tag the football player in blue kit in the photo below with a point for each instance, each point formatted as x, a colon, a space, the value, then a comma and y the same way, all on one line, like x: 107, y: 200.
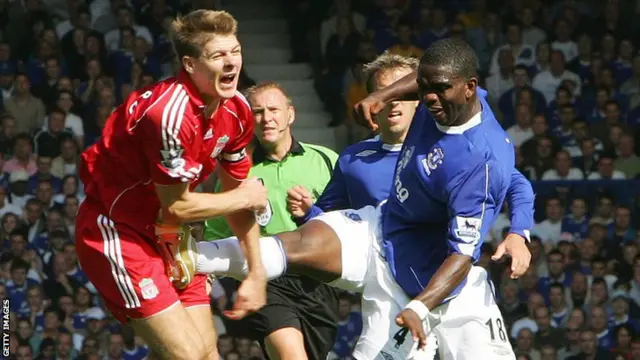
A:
x: 412, y: 256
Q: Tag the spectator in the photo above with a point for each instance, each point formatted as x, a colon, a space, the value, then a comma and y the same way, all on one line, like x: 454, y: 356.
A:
x: 534, y: 301
x: 631, y: 87
x: 485, y: 39
x: 125, y: 19
x: 501, y: 81
x: 620, y: 313
x: 546, y: 335
x: 508, y: 99
x: 589, y: 348
x: 523, y: 54
x: 606, y: 170
x: 43, y: 173
x: 48, y: 142
x: 563, y: 42
x: 623, y: 336
x: 531, y: 34
x: 510, y: 306
x: 27, y: 109
x: 543, y: 157
x: 540, y: 130
x: 342, y: 8
x: 576, y: 222
x: 521, y: 131
x: 598, y: 323
x: 549, y: 80
x: 588, y: 160
x: 627, y: 162
x: 67, y: 162
x: 622, y: 231
x: 524, y: 344
x: 549, y: 230
x: 572, y: 345
x: 7, y: 206
x: 23, y: 158
x: 340, y: 54
x: 405, y: 45
x: 562, y: 169
x: 438, y: 29
x: 558, y: 304
x: 66, y: 102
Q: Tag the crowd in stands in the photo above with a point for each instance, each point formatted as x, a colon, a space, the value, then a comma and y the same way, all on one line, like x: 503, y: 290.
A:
x: 562, y: 76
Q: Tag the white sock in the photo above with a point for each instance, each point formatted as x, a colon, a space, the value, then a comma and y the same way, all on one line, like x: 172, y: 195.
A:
x: 225, y: 258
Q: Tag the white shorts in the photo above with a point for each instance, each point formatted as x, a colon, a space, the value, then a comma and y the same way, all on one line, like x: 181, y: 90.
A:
x: 469, y: 326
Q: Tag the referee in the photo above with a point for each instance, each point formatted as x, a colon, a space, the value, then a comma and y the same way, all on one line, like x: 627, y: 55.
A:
x: 300, y: 319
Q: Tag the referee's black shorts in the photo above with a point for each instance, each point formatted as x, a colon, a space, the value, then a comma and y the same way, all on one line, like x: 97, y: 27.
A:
x: 301, y: 303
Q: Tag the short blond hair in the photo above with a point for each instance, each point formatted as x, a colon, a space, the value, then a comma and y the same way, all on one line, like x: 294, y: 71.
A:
x: 387, y: 62
x: 258, y: 88
x: 191, y: 32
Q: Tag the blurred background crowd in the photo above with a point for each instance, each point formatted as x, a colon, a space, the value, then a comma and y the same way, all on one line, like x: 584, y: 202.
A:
x: 563, y: 77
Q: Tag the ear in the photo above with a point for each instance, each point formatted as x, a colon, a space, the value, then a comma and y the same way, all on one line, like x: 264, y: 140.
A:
x: 292, y: 115
x: 471, y: 87
x: 189, y: 63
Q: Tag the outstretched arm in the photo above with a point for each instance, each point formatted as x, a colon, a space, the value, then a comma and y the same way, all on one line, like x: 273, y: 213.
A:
x: 520, y: 198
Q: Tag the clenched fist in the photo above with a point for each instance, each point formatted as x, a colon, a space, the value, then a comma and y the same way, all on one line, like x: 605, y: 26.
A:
x: 255, y: 194
x: 299, y: 201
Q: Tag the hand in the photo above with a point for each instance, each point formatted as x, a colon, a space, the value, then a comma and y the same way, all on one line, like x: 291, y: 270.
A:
x: 254, y: 193
x: 366, y: 110
x: 30, y: 257
x: 299, y: 201
x: 68, y: 323
x: 252, y: 296
x: 515, y: 246
x: 410, y: 320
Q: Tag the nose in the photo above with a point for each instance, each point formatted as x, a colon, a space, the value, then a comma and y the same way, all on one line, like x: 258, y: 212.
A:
x: 431, y: 98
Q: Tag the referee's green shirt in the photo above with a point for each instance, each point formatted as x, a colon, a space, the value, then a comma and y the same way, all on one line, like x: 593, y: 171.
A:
x: 308, y: 165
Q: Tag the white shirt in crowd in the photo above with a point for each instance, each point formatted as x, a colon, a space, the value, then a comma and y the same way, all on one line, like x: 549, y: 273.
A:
x: 533, y: 36
x: 519, y: 135
x: 568, y: 48
x: 573, y: 174
x: 497, y: 85
x: 617, y: 175
x: 73, y: 122
x: 547, y: 84
x: 549, y: 232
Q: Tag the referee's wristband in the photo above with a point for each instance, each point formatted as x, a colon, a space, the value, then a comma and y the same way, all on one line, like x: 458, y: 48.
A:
x: 419, y: 308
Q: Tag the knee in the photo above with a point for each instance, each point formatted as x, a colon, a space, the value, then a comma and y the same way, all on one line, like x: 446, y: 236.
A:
x: 195, y: 351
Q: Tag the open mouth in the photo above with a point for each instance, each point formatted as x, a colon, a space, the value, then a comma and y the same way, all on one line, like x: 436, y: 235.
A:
x: 227, y: 79
x: 394, y: 115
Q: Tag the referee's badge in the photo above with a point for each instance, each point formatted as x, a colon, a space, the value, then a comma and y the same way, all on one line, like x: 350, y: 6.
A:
x: 263, y: 217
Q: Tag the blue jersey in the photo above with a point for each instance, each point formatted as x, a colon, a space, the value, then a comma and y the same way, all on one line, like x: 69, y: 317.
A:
x: 362, y: 176
x: 449, y: 186
x: 579, y: 228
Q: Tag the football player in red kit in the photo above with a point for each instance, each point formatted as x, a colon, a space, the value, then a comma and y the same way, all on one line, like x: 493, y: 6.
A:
x: 155, y: 148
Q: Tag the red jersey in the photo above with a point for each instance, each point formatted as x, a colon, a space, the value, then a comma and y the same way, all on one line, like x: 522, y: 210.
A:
x: 161, y: 135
